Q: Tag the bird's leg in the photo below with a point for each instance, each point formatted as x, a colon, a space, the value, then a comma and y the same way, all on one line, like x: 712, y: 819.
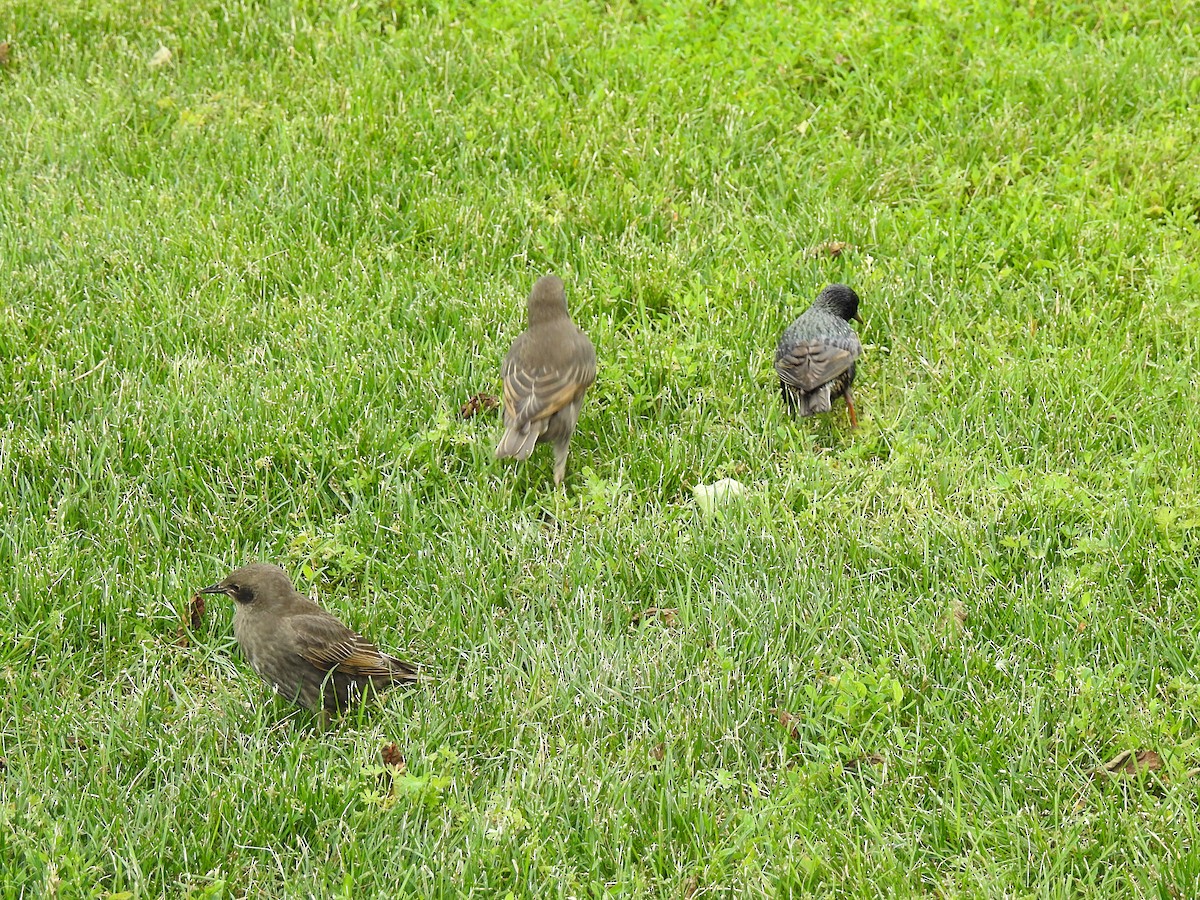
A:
x: 850, y: 408
x: 561, y: 447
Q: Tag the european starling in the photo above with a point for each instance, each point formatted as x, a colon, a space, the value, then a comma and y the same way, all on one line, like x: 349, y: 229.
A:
x: 815, y: 356
x: 548, y: 369
x: 298, y: 648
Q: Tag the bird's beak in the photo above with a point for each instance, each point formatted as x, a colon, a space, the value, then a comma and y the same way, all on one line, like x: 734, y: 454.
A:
x: 212, y: 589
x: 857, y: 318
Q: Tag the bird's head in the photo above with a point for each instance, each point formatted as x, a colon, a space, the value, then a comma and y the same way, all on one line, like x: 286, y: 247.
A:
x: 547, y: 300
x: 257, y: 581
x: 840, y: 300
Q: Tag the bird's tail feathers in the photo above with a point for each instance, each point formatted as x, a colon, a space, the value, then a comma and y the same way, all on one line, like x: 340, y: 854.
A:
x: 817, y: 401
x: 516, y: 443
x: 402, y: 672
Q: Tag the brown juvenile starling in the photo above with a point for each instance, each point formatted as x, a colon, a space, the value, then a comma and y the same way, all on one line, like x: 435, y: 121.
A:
x: 548, y: 369
x: 815, y: 356
x: 298, y: 648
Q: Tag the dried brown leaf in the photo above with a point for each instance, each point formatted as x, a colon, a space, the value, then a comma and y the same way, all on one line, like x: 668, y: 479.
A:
x: 181, y: 636
x: 393, y: 758
x: 668, y: 616
x: 862, y: 762
x: 479, y: 403
x: 690, y: 885
x: 1149, y: 760
x: 5, y: 54
x: 1129, y: 762
x: 196, y: 611
x: 954, y: 619
x: 658, y: 751
x: 789, y: 722
x: 832, y: 249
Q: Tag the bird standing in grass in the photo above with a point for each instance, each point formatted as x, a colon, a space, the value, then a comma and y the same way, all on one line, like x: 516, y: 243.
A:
x: 298, y: 648
x: 547, y: 371
x: 815, y: 356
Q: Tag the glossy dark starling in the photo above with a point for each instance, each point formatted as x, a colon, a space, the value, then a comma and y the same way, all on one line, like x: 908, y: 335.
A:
x: 815, y: 356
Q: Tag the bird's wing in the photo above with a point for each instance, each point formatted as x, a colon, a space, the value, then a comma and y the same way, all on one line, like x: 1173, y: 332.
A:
x: 533, y: 393
x: 806, y: 365
x: 327, y: 644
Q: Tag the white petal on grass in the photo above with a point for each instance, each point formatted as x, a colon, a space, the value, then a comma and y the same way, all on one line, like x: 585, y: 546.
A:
x: 719, y: 493
x: 161, y: 57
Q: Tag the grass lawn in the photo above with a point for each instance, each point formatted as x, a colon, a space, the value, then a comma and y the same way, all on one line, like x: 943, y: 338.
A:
x: 246, y: 287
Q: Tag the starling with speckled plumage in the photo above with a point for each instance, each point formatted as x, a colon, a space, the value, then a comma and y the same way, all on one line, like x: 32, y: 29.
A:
x: 547, y: 371
x: 298, y: 648
x: 815, y: 356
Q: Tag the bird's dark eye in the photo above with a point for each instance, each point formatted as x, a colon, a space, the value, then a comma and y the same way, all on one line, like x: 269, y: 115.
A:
x: 241, y: 593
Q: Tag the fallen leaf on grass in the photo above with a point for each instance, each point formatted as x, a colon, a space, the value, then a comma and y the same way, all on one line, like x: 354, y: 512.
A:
x: 658, y: 751
x: 195, y: 618
x: 1126, y: 764
x: 477, y: 404
x: 954, y: 619
x: 395, y: 768
x: 862, y: 762
x: 669, y: 617
x: 393, y: 758
x: 832, y: 249
x: 788, y: 721
x: 196, y: 611
x: 1129, y: 762
x: 5, y: 54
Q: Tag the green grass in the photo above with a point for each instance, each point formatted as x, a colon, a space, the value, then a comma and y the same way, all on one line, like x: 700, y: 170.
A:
x: 245, y: 293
